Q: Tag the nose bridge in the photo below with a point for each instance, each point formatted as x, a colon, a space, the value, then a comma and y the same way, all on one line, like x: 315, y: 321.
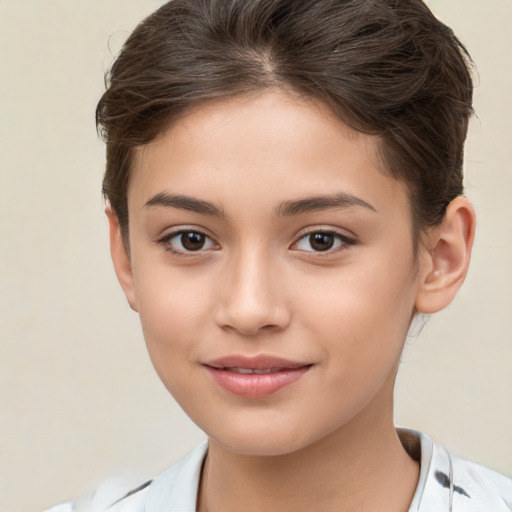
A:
x: 252, y: 298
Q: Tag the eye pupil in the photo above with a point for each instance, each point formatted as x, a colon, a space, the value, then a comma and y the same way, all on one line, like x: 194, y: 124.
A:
x: 321, y: 241
x: 193, y: 241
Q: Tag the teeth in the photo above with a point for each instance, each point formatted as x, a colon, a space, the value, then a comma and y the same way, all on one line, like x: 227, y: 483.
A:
x: 255, y: 371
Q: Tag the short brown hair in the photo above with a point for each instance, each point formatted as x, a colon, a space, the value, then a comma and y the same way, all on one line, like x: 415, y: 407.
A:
x: 386, y: 67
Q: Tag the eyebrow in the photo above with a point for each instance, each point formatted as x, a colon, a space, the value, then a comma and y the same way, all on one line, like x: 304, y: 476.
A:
x: 318, y: 203
x: 285, y: 209
x: 183, y: 202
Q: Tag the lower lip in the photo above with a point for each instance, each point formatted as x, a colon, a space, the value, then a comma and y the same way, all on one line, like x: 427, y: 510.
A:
x: 252, y: 385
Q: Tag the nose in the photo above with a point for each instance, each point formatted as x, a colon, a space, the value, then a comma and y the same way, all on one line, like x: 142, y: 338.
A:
x: 252, y: 298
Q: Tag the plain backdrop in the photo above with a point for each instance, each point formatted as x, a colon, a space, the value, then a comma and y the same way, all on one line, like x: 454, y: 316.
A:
x: 79, y: 399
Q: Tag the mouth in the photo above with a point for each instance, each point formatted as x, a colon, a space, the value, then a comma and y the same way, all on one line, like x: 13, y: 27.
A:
x: 255, y: 371
x: 255, y: 377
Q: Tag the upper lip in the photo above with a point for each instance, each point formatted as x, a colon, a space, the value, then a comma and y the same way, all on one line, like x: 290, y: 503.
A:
x: 260, y: 362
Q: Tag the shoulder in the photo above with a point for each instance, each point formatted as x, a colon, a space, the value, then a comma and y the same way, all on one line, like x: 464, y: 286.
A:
x: 450, y: 483
x: 487, y: 485
x: 111, y: 496
x: 175, y: 490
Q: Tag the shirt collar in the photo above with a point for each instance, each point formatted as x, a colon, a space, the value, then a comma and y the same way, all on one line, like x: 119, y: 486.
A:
x: 446, y: 483
x: 175, y: 490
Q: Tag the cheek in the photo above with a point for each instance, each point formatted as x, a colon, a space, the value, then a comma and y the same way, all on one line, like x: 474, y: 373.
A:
x: 359, y: 324
x: 364, y: 311
x: 173, y: 310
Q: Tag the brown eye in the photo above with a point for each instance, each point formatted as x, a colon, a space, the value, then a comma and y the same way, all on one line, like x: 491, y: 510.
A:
x: 322, y: 241
x: 192, y: 240
x: 182, y: 242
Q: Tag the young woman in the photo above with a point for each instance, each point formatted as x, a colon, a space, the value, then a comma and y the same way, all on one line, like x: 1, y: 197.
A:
x: 284, y: 193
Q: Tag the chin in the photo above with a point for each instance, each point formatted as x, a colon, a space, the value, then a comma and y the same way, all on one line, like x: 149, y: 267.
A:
x: 263, y: 440
x: 259, y: 446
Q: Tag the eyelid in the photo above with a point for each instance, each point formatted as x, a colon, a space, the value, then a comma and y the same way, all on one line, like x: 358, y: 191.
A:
x: 164, y: 240
x: 347, y: 241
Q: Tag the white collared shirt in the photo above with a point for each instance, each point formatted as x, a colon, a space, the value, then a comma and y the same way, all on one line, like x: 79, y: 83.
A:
x: 446, y: 484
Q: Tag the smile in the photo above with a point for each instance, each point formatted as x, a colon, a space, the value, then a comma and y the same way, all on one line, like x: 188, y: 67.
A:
x: 246, y: 371
x: 255, y: 377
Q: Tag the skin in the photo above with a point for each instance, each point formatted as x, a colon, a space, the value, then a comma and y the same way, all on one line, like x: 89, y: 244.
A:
x: 258, y: 286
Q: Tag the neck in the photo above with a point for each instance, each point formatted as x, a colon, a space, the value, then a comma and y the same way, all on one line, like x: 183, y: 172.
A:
x: 361, y: 466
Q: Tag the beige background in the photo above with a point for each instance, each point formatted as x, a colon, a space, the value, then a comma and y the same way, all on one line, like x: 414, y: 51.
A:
x: 79, y: 399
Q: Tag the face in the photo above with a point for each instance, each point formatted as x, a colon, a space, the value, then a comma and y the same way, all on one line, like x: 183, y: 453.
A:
x: 272, y: 267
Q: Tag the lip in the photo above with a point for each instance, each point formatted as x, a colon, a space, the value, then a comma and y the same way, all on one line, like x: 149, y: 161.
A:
x: 225, y: 371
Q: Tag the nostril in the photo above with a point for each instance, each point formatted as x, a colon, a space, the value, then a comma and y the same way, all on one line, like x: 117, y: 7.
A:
x: 250, y: 330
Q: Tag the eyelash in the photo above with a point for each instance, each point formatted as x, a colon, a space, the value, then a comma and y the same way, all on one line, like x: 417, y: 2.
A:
x: 165, y: 241
x: 344, y: 242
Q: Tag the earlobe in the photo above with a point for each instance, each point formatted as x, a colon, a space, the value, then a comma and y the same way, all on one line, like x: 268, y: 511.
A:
x: 120, y: 258
x: 445, y: 257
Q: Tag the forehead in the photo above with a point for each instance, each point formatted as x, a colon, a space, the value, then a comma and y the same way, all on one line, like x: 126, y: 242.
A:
x: 263, y: 148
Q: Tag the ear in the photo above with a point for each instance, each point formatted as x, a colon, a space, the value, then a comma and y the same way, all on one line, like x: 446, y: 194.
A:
x: 120, y: 258
x: 444, y: 259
